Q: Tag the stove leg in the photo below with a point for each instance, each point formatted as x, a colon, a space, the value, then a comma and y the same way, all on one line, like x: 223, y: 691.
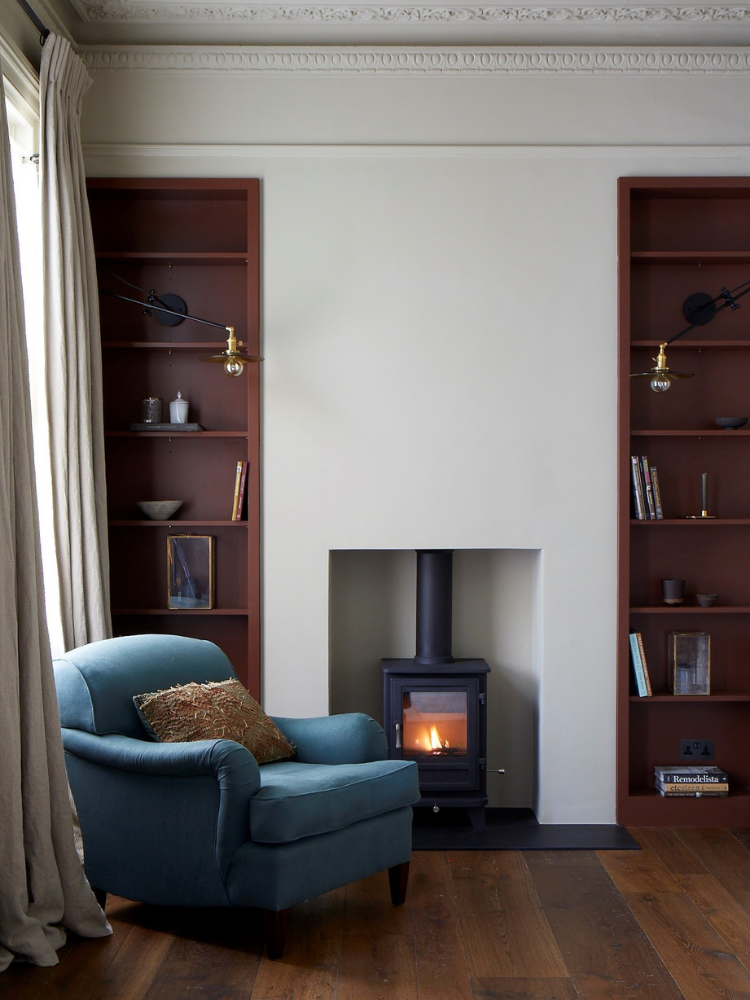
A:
x: 477, y: 817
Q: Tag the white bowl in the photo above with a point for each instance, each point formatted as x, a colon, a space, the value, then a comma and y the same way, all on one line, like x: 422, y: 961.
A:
x: 159, y: 510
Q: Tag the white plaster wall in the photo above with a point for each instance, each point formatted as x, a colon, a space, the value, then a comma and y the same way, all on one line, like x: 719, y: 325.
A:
x: 440, y: 335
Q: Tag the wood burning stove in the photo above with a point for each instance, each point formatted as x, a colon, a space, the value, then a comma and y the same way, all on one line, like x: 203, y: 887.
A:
x: 435, y: 707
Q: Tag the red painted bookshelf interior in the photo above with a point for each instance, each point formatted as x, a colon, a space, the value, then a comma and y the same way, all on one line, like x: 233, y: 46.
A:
x: 198, y: 239
x: 678, y: 236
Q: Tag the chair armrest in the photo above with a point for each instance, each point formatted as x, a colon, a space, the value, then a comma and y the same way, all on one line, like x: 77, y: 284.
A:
x: 161, y: 822
x: 232, y: 764
x: 352, y: 738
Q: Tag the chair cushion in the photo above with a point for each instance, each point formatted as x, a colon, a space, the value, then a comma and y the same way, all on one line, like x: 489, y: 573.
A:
x: 300, y: 800
x: 218, y: 710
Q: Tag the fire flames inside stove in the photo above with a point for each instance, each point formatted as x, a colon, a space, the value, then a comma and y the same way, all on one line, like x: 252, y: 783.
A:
x: 435, y: 723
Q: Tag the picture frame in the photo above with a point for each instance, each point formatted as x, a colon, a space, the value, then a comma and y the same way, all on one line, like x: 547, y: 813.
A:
x: 190, y: 572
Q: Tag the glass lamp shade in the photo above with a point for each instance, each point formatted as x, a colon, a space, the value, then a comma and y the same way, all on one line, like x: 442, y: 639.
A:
x: 660, y: 383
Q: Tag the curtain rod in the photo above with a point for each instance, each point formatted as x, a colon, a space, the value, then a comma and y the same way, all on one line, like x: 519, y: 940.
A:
x: 34, y: 18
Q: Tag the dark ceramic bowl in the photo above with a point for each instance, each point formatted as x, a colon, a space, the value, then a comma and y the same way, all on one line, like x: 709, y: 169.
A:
x: 706, y: 600
x: 731, y: 423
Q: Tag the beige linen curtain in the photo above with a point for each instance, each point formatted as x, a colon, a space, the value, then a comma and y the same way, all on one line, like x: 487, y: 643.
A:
x: 42, y: 886
x: 72, y: 341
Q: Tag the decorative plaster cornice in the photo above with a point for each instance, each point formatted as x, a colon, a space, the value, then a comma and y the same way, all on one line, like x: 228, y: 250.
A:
x: 133, y: 11
x: 469, y: 60
x: 116, y: 154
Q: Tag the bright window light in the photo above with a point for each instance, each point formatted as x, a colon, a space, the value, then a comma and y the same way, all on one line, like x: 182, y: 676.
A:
x: 23, y: 126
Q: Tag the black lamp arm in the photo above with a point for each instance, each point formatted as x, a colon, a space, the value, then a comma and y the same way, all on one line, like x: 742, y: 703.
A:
x: 172, y: 312
x: 728, y: 300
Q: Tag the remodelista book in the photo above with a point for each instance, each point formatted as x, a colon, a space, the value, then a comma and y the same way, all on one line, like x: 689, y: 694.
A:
x: 690, y: 774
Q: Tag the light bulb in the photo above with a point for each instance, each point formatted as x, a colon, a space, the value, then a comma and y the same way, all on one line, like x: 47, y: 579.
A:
x: 660, y: 382
x: 232, y: 367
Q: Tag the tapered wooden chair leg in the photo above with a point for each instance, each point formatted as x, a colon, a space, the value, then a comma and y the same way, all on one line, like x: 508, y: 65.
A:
x: 398, y: 876
x: 274, y: 926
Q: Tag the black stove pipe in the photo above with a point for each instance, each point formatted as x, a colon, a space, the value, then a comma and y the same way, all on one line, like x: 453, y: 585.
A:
x: 434, y: 606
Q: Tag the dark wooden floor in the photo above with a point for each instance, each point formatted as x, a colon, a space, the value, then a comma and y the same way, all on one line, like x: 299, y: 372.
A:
x: 669, y: 921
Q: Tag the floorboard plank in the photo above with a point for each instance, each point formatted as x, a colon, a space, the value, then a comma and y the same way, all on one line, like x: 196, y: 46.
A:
x: 212, y: 952
x: 674, y: 854
x: 23, y: 981
x: 503, y: 925
x: 130, y: 975
x: 377, y: 967
x: 308, y: 969
x: 742, y: 834
x: 442, y: 969
x: 606, y: 952
x: 180, y: 979
x: 369, y: 910
x: 699, y: 960
x: 523, y: 989
x: 378, y: 957
x: 724, y: 857
x: 638, y: 871
x: 722, y: 911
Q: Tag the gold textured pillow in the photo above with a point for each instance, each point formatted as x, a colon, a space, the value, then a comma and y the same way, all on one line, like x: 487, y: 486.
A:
x: 216, y: 710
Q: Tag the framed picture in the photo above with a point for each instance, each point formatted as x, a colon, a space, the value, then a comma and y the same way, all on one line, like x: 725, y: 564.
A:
x: 190, y: 571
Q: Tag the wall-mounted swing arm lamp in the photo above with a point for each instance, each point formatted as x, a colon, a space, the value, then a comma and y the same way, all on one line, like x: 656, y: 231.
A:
x: 169, y: 310
x: 698, y: 309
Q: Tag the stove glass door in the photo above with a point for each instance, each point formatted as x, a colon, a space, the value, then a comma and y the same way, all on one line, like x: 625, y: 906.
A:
x: 435, y: 723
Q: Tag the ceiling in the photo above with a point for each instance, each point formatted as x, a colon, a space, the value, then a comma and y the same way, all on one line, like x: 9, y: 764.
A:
x: 415, y: 22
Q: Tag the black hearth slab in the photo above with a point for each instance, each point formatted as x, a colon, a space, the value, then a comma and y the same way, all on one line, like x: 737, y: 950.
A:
x: 513, y: 830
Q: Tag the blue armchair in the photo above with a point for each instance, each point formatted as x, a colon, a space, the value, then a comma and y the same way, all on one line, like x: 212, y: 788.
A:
x: 201, y: 824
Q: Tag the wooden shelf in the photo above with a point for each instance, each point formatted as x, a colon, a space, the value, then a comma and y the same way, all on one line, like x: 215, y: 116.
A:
x: 208, y: 612
x: 692, y: 433
x: 693, y: 345
x: 692, y: 522
x: 690, y: 256
x: 176, y: 434
x: 165, y: 345
x: 693, y: 609
x: 651, y: 793
x: 648, y: 808
x: 134, y: 523
x: 183, y: 257
x: 688, y: 699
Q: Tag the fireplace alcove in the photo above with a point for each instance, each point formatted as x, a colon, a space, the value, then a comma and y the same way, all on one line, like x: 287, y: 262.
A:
x: 372, y: 595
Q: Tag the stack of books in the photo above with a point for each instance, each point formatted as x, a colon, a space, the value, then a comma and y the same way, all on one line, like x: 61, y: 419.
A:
x: 691, y: 781
x: 646, y: 491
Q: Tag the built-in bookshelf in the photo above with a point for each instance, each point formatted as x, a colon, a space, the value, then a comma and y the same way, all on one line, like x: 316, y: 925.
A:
x: 198, y: 239
x: 679, y: 236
